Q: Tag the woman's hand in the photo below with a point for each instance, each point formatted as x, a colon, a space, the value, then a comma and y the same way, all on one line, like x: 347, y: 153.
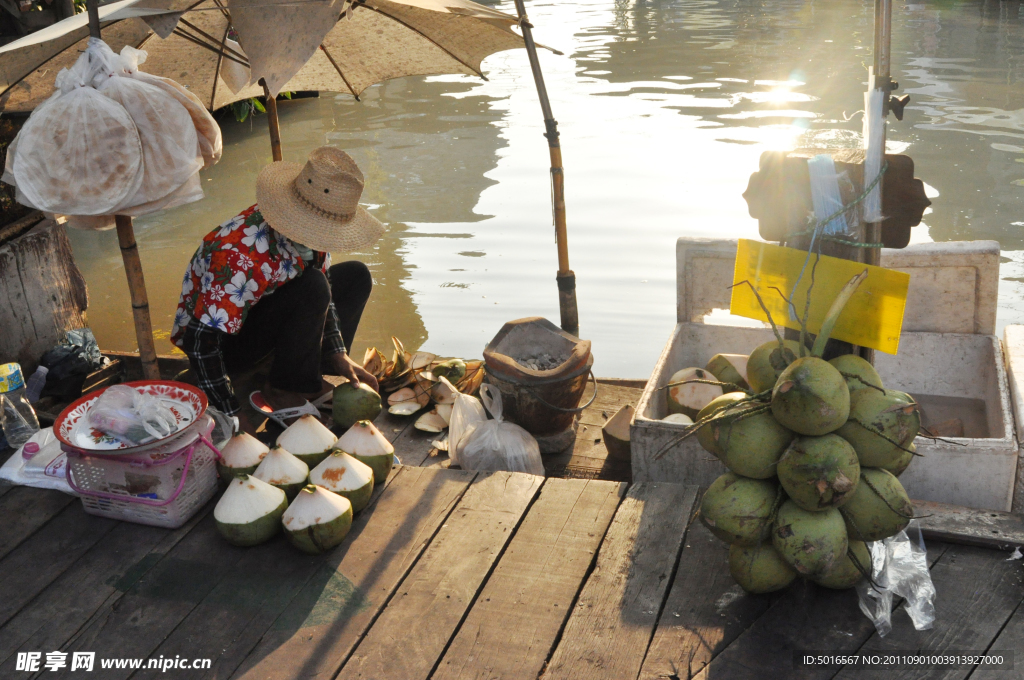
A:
x: 343, y: 365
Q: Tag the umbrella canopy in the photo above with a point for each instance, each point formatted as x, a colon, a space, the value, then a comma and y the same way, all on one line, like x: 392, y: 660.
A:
x: 375, y: 41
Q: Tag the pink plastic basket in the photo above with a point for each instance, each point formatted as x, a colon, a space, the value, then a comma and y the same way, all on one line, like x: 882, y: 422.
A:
x: 164, y: 486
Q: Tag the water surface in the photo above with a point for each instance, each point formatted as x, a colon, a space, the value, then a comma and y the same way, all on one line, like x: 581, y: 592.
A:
x: 664, y: 109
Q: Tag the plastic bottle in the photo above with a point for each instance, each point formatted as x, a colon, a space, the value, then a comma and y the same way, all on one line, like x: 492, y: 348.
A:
x: 35, y: 385
x: 17, y: 417
x: 16, y: 430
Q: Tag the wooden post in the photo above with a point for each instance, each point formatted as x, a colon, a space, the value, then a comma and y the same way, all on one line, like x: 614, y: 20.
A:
x: 273, y: 122
x: 565, y: 277
x: 44, y: 292
x: 94, y: 18
x: 140, y: 299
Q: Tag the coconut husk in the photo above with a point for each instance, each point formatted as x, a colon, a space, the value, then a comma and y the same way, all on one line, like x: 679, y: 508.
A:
x: 374, y: 362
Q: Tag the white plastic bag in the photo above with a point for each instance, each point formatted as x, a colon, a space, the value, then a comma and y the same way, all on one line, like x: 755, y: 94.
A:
x: 211, y: 143
x: 79, y: 152
x: 899, y: 566
x: 131, y: 416
x: 47, y: 469
x: 170, y: 145
x: 467, y: 413
x: 497, y: 445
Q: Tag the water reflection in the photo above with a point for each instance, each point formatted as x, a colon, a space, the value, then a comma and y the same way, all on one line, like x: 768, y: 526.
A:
x: 664, y: 107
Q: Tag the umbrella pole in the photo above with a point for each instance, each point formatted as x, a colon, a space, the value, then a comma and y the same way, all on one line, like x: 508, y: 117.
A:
x: 273, y: 122
x: 565, y: 277
x: 880, y: 80
x: 132, y: 263
x: 140, y: 299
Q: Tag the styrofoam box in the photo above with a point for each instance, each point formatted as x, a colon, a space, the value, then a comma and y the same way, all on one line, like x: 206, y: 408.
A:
x: 935, y: 367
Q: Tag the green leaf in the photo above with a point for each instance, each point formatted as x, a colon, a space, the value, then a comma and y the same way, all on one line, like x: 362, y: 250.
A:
x: 258, y: 105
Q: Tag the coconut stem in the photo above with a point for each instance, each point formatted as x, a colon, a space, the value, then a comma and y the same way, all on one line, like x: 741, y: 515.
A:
x: 933, y: 437
x: 864, y: 571
x: 854, y: 376
x: 895, y: 443
x: 775, y: 329
x: 835, y: 311
x: 872, y: 487
x: 693, y: 429
x: 736, y: 388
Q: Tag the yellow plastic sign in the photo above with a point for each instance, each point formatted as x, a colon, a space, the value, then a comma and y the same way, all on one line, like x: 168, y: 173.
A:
x: 872, y: 318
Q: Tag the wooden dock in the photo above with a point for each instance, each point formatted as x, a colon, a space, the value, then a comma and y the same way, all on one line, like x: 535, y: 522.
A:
x: 451, y: 574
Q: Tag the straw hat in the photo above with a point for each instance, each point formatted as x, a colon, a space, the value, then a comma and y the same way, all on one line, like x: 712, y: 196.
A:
x: 317, y: 205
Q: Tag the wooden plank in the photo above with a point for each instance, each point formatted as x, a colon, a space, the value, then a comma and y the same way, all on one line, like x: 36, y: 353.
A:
x: 25, y: 510
x: 610, y: 628
x: 326, y: 620
x: 87, y: 590
x: 514, y: 623
x: 156, y: 604
x: 705, y: 610
x: 45, y: 555
x: 1010, y: 638
x: 392, y: 426
x: 638, y: 383
x: 805, y: 617
x: 977, y: 592
x: 413, y: 446
x: 234, y: 616
x: 410, y: 636
x: 968, y: 526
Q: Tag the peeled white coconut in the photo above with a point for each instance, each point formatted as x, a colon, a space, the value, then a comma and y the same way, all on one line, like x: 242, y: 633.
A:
x: 283, y: 470
x: 317, y: 520
x: 680, y: 418
x: 405, y: 408
x: 445, y: 411
x: 431, y: 422
x: 345, y: 476
x: 250, y: 510
x: 402, y: 395
x: 242, y: 455
x: 691, y: 398
x: 308, y: 440
x: 616, y: 433
x: 364, y: 442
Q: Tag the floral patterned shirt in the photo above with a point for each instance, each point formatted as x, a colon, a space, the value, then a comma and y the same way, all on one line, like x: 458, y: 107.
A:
x: 237, y: 264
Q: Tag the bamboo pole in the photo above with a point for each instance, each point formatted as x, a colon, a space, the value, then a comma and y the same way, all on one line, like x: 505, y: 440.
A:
x: 565, y: 277
x: 132, y: 263
x: 273, y: 122
x: 139, y: 297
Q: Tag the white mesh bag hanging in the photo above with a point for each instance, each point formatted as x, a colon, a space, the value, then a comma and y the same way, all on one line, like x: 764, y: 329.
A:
x: 79, y: 153
x: 210, y: 141
x: 170, y: 145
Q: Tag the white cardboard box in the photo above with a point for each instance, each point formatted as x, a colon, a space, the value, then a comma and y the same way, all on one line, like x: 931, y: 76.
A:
x: 947, y: 353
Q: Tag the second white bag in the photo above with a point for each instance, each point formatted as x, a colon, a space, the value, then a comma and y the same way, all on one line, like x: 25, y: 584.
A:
x: 497, y: 445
